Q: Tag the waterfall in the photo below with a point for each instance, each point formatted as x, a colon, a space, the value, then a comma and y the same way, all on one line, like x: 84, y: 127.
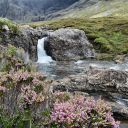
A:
x: 42, y: 56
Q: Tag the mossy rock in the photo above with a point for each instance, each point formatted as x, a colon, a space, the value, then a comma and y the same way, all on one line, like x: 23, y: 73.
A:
x: 14, y: 27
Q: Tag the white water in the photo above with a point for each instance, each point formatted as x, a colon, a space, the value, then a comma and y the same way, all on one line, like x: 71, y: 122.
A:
x: 42, y: 56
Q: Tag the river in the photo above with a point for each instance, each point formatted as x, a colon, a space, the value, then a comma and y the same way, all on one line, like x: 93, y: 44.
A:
x: 60, y: 69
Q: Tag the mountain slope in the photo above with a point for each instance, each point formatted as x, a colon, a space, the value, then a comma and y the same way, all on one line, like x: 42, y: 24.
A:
x: 31, y: 10
x: 93, y: 9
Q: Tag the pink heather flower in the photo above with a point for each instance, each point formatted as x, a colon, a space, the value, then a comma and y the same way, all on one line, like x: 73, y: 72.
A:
x: 2, y: 89
x: 80, y: 111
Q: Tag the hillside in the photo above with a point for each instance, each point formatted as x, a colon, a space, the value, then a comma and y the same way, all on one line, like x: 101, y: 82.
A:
x: 93, y: 9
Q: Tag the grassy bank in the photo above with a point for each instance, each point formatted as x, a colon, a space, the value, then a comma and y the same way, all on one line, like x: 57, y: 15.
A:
x: 14, y: 27
x: 109, y: 35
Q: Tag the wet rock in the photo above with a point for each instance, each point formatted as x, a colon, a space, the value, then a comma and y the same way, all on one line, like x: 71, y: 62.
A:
x: 69, y: 44
x: 119, y: 111
x: 118, y: 62
x: 121, y: 59
x: 81, y: 93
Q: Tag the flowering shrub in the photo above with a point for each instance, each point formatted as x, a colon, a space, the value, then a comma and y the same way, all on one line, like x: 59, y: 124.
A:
x: 24, y: 94
x: 80, y: 112
x: 62, y: 96
x: 29, y: 96
x: 24, y: 90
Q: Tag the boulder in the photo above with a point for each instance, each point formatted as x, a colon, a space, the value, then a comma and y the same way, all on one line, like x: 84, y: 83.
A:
x: 68, y: 44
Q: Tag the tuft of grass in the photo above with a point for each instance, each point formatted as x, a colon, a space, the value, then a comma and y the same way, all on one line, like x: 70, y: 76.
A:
x: 14, y: 27
x: 109, y: 35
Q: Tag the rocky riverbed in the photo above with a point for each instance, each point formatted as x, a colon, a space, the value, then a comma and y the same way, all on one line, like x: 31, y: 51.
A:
x: 101, y: 79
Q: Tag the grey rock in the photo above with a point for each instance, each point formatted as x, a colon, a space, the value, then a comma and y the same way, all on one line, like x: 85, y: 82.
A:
x: 2, y: 59
x: 5, y: 28
x: 69, y: 44
x: 81, y: 93
x: 119, y: 111
x: 118, y: 62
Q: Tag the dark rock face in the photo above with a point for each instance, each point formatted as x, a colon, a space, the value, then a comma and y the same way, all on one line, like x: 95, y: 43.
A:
x: 27, y: 39
x: 69, y: 44
x: 47, y: 47
x: 95, y: 79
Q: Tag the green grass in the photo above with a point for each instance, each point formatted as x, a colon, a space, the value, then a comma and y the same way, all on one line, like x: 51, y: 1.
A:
x: 14, y: 27
x: 109, y: 35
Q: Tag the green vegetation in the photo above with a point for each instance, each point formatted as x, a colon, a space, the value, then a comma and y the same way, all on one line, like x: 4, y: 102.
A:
x: 109, y: 35
x: 14, y: 27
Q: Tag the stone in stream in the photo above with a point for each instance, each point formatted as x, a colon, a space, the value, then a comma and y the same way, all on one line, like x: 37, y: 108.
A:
x: 119, y: 111
x: 68, y: 44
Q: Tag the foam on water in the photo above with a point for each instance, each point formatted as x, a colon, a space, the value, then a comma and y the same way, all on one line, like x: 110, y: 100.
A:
x: 79, y: 62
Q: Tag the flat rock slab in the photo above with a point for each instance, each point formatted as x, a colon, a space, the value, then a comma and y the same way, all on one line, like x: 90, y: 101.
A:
x: 95, y: 79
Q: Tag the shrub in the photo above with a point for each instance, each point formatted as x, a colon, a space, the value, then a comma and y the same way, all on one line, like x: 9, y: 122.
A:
x: 80, y: 112
x: 23, y: 93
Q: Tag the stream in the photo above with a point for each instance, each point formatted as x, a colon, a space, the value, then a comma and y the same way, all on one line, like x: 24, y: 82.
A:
x: 60, y: 69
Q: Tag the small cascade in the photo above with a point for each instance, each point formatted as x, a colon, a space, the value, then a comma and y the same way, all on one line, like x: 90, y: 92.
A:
x: 42, y: 56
